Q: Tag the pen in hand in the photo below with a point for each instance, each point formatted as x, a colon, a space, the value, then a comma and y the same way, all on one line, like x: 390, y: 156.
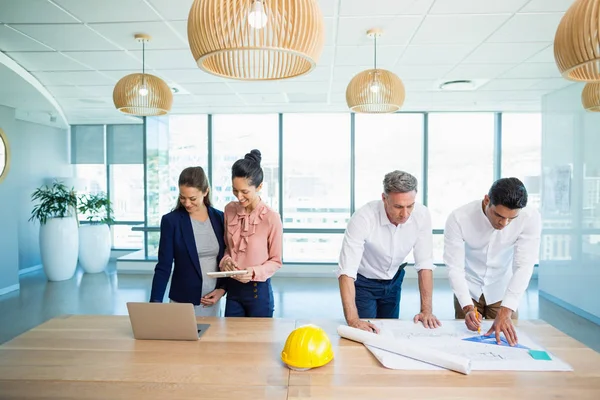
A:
x: 477, y: 318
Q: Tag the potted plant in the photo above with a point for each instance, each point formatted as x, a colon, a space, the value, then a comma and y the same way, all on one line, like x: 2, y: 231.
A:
x: 94, y: 237
x: 56, y: 211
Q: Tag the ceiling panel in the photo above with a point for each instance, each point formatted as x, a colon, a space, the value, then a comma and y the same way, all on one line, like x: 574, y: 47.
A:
x: 107, y: 60
x: 11, y: 40
x: 207, y: 88
x: 509, y: 84
x: 162, y: 37
x: 547, y: 6
x: 188, y: 75
x: 264, y: 98
x: 478, y: 71
x: 98, y: 91
x: 528, y: 28
x: 45, y: 61
x: 551, y: 84
x: 435, y: 54
x: 66, y: 91
x: 78, y: 78
x: 109, y: 10
x: 257, y: 87
x: 396, y: 30
x: 172, y: 9
x: 533, y: 70
x: 477, y: 6
x: 504, y: 53
x: 319, y: 74
x: 357, y: 55
x: 458, y: 28
x: 66, y: 37
x: 168, y: 59
x: 407, y: 72
x: 219, y: 100
x: 302, y: 87
x: 546, y: 55
x: 421, y: 85
x: 32, y: 12
x: 359, y: 8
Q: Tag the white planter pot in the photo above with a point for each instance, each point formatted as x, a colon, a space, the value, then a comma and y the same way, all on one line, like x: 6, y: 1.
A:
x: 59, y: 246
x: 94, y: 247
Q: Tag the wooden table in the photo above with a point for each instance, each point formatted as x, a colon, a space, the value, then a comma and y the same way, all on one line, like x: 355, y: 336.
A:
x: 96, y: 357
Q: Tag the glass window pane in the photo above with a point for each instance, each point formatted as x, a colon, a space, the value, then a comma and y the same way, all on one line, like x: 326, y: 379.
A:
x: 316, y: 170
x: 233, y: 137
x: 127, y: 192
x: 312, y: 247
x: 124, y: 238
x: 93, y: 177
x: 438, y: 249
x: 461, y: 161
x: 173, y: 144
x: 384, y: 143
x: 522, y: 151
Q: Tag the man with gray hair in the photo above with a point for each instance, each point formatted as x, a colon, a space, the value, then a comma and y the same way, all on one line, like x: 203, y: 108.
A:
x: 378, y: 238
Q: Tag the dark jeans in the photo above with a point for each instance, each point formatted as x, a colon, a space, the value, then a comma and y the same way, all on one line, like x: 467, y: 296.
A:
x: 252, y: 299
x: 379, y: 298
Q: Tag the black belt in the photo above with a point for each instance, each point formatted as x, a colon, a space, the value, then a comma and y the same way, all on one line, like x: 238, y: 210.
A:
x: 400, y: 268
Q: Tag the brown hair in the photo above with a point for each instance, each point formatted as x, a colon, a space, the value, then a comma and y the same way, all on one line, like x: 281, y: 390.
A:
x: 196, y: 178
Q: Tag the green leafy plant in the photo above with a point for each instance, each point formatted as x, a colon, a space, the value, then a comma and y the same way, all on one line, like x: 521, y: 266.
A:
x: 98, y: 208
x: 56, y: 201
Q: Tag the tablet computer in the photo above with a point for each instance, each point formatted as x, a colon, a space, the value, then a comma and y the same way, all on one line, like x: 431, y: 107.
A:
x: 225, y: 274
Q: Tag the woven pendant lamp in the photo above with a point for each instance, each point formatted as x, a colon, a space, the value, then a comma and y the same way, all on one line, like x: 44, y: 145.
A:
x: 590, y: 97
x: 142, y: 94
x: 577, y: 42
x: 375, y: 90
x: 256, y: 39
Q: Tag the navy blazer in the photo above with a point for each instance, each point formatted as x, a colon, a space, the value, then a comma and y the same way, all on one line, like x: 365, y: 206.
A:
x: 177, y: 244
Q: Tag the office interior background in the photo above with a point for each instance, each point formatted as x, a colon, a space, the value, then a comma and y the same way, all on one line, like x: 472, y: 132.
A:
x: 60, y: 60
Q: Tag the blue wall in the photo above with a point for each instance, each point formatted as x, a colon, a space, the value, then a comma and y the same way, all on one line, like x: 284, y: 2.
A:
x: 38, y: 152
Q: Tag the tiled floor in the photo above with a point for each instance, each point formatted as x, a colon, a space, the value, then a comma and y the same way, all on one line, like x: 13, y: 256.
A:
x: 107, y: 293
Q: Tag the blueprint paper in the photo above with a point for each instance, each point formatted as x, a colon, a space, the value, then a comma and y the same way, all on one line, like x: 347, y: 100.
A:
x: 449, y: 338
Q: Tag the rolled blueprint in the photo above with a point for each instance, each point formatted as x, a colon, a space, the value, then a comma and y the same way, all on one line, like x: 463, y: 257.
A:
x: 408, y: 349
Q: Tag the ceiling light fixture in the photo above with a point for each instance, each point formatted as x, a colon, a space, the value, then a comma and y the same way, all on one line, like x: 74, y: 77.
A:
x: 577, y: 42
x: 256, y: 39
x: 590, y: 97
x: 142, y: 94
x: 375, y: 90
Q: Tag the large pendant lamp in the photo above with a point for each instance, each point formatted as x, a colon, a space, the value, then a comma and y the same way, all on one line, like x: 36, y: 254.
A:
x: 590, y: 97
x: 142, y: 94
x: 577, y: 42
x: 256, y: 39
x: 375, y: 90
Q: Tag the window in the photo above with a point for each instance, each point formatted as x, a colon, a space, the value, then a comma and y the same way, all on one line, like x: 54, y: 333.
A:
x: 127, y: 192
x: 522, y: 151
x: 384, y: 143
x: 93, y: 179
x: 312, y: 247
x: 173, y: 144
x: 316, y: 170
x: 124, y: 238
x: 461, y: 161
x: 233, y: 137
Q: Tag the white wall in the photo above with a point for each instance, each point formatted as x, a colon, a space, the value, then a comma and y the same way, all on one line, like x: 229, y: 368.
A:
x: 569, y: 272
x: 38, y: 152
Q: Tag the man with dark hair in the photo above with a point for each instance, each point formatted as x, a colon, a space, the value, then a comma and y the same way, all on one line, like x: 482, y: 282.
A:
x: 490, y: 249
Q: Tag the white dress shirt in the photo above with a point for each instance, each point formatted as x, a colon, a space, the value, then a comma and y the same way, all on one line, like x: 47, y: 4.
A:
x: 484, y: 260
x: 375, y: 248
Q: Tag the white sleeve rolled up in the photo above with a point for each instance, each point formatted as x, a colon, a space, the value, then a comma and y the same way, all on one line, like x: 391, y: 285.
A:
x: 407, y: 349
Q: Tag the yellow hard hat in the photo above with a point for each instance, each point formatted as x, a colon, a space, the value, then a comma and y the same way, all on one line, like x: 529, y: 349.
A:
x: 307, y: 347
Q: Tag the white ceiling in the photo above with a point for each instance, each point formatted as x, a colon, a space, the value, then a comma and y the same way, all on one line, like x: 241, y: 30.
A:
x: 79, y: 49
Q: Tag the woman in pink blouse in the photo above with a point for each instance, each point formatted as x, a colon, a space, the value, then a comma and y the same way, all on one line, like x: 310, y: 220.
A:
x: 253, y: 236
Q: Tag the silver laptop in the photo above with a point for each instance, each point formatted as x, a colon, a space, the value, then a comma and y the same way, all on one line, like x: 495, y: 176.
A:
x: 164, y: 321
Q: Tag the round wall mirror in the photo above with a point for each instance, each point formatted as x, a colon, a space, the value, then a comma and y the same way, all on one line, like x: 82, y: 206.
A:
x: 4, y: 155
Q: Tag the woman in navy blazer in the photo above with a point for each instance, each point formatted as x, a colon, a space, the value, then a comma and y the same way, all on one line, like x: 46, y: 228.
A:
x: 185, y: 239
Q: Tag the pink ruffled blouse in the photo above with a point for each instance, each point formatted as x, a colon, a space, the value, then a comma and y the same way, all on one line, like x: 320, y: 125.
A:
x: 253, y: 240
